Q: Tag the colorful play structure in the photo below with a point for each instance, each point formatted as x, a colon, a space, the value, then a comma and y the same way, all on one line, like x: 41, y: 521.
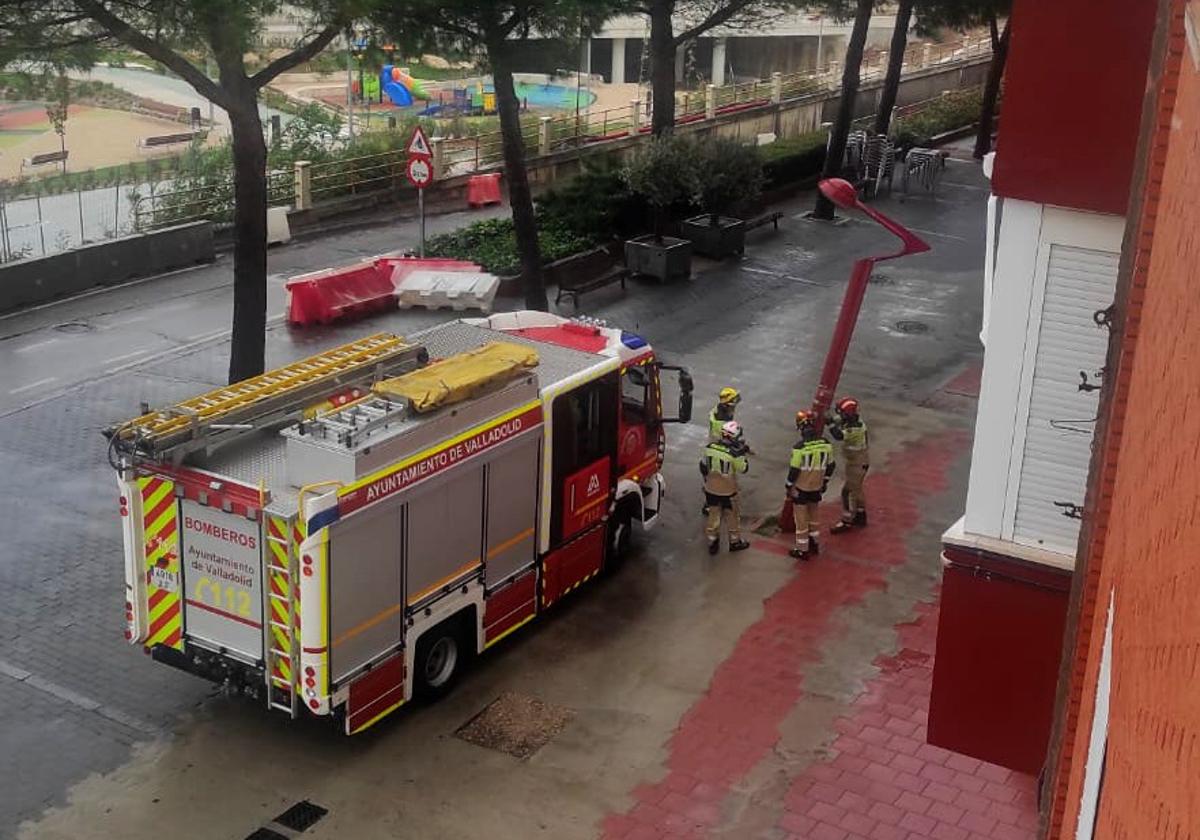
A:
x: 400, y: 87
x: 466, y: 98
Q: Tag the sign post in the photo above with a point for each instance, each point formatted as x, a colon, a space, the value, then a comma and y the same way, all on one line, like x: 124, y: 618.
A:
x: 419, y: 171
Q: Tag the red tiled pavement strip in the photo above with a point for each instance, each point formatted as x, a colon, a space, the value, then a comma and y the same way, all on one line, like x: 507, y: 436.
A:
x: 886, y: 783
x: 882, y: 790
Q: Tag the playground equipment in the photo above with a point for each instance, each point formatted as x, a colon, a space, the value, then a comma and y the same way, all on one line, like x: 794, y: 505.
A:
x: 400, y: 87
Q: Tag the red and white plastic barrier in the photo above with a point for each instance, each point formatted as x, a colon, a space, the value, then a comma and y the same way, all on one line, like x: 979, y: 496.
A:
x: 385, y: 282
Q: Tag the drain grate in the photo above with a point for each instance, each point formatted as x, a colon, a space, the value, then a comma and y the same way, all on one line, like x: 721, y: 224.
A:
x: 878, y: 279
x: 912, y: 327
x: 266, y: 834
x: 74, y: 327
x: 516, y: 724
x: 301, y: 816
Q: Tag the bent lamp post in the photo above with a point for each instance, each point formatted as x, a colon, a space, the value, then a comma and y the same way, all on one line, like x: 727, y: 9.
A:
x: 843, y: 194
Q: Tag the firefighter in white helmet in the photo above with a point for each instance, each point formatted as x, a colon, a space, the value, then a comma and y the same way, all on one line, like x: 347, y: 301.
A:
x: 721, y: 462
x: 848, y: 427
x: 808, y: 475
x: 727, y: 403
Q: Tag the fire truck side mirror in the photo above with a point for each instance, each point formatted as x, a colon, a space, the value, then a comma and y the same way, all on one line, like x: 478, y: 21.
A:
x: 685, y: 394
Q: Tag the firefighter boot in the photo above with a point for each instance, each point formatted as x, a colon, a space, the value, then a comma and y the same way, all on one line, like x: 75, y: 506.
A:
x: 843, y: 525
x: 738, y: 544
x: 714, y: 546
x: 813, y: 547
x: 860, y: 518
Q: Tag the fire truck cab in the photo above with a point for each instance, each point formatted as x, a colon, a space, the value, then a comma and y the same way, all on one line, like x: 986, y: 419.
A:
x: 343, y: 534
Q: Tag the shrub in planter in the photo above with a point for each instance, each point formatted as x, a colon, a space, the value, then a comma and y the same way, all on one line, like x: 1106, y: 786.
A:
x: 664, y: 175
x: 730, y: 176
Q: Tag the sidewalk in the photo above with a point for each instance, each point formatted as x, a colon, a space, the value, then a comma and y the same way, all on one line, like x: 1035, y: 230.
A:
x: 794, y: 739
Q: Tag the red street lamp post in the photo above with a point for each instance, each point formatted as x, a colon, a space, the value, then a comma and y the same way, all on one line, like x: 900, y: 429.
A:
x: 843, y: 194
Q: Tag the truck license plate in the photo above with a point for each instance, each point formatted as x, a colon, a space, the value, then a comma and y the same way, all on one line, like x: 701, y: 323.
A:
x: 164, y: 579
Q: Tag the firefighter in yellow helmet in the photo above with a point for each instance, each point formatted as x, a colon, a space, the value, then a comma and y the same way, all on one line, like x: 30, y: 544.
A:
x: 721, y: 463
x: 722, y: 413
x: 808, y: 475
x: 848, y: 427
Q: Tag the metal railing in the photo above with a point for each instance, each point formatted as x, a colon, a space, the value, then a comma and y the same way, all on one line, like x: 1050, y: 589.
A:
x: 213, y: 199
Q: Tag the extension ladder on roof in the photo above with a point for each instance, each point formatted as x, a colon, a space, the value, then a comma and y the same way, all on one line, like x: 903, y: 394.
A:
x: 285, y: 389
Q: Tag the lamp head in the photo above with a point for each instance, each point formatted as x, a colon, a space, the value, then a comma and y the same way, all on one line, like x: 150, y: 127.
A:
x: 840, y: 192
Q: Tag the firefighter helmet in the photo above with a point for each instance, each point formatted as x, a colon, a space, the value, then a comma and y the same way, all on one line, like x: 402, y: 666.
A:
x: 804, y: 419
x: 729, y: 396
x: 847, y: 406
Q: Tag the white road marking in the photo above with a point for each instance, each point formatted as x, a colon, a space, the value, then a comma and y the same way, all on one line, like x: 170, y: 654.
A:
x: 125, y: 356
x: 939, y: 235
x: 29, y: 348
x: 33, y: 385
x: 76, y: 699
x: 780, y: 274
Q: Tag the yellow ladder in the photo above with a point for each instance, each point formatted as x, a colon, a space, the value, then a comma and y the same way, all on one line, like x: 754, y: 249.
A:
x: 225, y: 403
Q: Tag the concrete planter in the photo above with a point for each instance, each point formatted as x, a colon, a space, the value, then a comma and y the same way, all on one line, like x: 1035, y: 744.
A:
x: 725, y: 238
x: 663, y: 259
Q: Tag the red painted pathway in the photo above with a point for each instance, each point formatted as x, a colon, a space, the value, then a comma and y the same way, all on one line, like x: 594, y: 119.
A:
x: 881, y: 781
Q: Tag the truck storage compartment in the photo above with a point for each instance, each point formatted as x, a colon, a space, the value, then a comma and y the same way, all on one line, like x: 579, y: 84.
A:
x: 366, y: 585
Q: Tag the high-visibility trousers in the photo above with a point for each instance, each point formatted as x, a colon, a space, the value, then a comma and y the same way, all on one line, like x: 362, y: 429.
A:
x: 854, y: 498
x: 725, y: 509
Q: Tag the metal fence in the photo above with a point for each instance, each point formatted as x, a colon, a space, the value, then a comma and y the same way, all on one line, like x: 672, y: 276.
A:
x: 44, y: 224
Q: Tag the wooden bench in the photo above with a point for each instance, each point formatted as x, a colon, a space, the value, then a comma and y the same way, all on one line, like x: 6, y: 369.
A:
x: 765, y: 219
x: 584, y: 273
x: 46, y: 157
x: 170, y: 139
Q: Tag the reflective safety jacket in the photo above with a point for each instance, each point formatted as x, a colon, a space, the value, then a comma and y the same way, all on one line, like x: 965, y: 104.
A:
x: 717, y: 418
x: 720, y: 468
x: 855, y: 445
x: 811, y: 465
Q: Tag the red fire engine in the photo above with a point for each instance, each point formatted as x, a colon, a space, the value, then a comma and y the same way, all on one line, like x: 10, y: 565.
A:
x: 343, y: 533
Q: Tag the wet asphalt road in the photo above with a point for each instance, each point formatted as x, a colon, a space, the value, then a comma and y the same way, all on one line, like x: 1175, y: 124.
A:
x: 77, y: 699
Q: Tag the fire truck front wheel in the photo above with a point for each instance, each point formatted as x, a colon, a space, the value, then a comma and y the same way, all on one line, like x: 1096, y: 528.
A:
x: 620, y: 534
x: 440, y: 657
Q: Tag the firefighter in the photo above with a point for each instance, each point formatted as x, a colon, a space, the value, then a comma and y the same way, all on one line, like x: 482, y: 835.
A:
x: 848, y: 427
x: 720, y: 464
x: 722, y: 413
x: 808, y: 475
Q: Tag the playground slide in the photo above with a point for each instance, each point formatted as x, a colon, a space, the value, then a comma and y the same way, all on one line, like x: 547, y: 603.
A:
x: 398, y: 93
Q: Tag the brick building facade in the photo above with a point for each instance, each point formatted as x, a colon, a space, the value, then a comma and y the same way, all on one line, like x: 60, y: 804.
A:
x: 1126, y: 754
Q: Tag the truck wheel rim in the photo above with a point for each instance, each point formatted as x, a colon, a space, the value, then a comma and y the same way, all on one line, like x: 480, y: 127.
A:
x: 439, y: 665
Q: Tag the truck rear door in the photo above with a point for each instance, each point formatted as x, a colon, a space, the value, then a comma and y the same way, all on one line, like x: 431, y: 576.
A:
x: 221, y: 555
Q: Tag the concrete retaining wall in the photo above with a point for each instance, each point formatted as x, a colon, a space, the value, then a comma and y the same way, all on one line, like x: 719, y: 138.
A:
x: 41, y: 279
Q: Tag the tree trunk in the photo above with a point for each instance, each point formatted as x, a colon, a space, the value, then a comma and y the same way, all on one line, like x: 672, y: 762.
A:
x: 991, y: 92
x: 519, y: 196
x: 247, y: 354
x: 662, y: 66
x: 845, y: 113
x: 891, y: 82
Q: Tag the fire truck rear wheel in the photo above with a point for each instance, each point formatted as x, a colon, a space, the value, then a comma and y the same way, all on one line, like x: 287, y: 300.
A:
x: 440, y: 657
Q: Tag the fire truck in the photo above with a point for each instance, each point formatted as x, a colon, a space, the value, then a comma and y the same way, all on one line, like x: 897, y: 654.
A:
x: 343, y: 534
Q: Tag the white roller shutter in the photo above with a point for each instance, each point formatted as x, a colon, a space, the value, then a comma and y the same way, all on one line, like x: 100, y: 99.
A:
x: 1058, y: 434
